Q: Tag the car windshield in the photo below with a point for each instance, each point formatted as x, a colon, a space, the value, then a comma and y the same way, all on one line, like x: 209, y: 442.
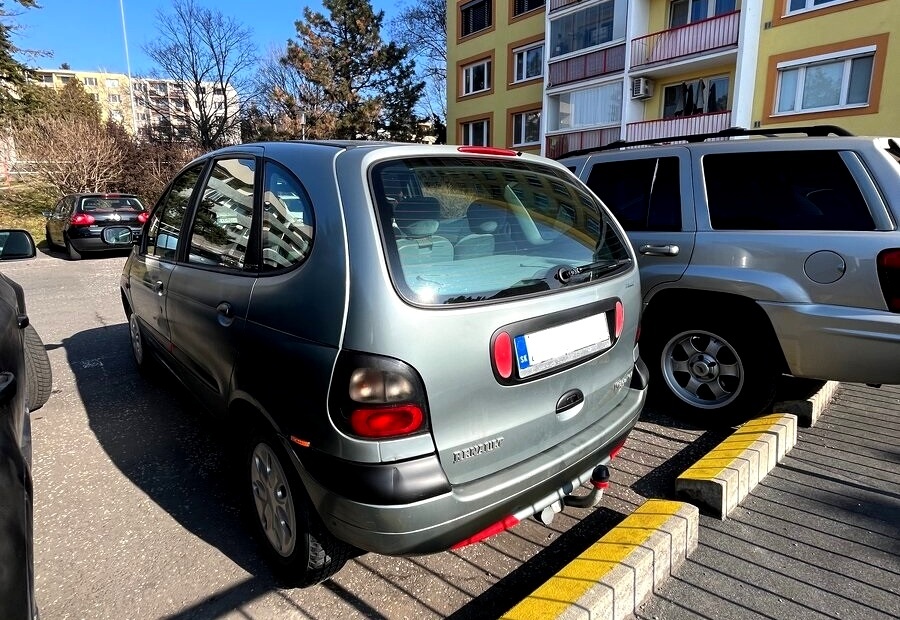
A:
x: 470, y: 230
x: 110, y: 203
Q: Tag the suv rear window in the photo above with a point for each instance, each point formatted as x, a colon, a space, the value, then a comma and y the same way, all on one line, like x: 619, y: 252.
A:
x: 784, y: 190
x: 465, y: 230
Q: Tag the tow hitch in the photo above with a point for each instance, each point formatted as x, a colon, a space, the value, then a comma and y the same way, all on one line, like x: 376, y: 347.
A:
x: 599, y: 482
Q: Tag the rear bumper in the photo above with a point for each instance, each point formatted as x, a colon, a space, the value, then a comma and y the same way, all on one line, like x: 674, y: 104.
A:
x: 437, y: 522
x: 89, y: 238
x: 838, y: 343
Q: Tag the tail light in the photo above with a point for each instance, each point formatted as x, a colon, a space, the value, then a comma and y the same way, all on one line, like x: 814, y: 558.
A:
x: 620, y: 319
x: 142, y: 217
x: 376, y: 397
x: 889, y: 277
x: 82, y: 219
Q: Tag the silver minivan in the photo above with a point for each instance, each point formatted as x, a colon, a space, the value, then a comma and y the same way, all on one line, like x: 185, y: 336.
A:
x: 418, y: 346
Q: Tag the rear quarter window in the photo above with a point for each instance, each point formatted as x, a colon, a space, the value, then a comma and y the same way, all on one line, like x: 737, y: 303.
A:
x: 789, y: 190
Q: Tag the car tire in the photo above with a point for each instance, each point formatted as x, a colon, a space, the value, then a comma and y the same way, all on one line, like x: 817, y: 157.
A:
x: 142, y: 356
x: 712, y: 372
x: 50, y: 244
x: 72, y: 253
x: 38, y: 373
x: 300, y: 549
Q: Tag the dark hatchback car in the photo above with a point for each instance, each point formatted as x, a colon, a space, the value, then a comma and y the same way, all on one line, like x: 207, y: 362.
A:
x: 418, y: 346
x: 25, y: 384
x: 77, y: 221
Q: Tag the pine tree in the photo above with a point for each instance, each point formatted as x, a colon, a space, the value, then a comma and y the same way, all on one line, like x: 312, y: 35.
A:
x: 12, y: 72
x: 367, y: 84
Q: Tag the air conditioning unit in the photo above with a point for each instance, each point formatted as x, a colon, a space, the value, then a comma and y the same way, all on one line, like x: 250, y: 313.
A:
x: 641, y: 88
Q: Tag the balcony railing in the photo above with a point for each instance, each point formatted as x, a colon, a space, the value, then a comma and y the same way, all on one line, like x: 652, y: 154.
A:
x: 555, y: 5
x: 696, y: 38
x: 560, y: 144
x: 680, y: 126
x: 601, y: 62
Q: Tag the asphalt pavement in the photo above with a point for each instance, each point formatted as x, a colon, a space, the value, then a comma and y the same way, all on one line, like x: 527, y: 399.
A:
x: 818, y: 538
x: 134, y: 517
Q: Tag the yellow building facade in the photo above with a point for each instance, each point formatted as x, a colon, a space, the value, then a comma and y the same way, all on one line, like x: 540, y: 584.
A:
x: 830, y: 63
x: 112, y: 91
x: 495, y: 70
x: 656, y: 69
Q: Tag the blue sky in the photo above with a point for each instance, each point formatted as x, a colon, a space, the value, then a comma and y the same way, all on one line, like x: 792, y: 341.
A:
x: 87, y: 34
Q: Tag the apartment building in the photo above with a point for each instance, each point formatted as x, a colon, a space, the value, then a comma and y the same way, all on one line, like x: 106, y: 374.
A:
x: 110, y: 90
x: 651, y: 69
x: 144, y: 105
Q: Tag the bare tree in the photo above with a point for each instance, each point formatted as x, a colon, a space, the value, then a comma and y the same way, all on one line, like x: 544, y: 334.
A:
x: 286, y: 100
x: 207, y: 55
x: 71, y: 154
x: 422, y: 27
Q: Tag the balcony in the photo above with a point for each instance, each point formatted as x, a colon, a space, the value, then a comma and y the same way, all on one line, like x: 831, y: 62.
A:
x: 560, y: 144
x: 680, y: 126
x: 708, y: 35
x: 601, y: 62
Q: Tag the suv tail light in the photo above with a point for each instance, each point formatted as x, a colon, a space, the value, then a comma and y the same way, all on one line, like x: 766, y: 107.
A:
x: 143, y: 216
x: 82, y: 219
x: 889, y: 277
x: 377, y: 397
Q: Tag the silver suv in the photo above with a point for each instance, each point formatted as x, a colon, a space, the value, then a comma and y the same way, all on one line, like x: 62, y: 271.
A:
x: 759, y: 256
x: 418, y: 346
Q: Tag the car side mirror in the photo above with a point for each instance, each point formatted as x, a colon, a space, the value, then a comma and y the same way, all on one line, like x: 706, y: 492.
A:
x: 16, y: 244
x: 119, y: 236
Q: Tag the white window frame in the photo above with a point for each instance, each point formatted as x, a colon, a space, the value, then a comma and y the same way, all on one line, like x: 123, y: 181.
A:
x: 518, y: 121
x: 113, y: 98
x: 112, y: 83
x: 523, y: 53
x: 468, y: 86
x: 802, y: 64
x: 47, y: 78
x: 467, y: 132
x: 595, y: 115
x: 90, y: 81
x: 810, y: 6
x: 710, y: 12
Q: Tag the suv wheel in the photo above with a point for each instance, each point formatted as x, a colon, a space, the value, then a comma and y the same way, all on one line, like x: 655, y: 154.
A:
x: 299, y: 546
x: 711, y: 372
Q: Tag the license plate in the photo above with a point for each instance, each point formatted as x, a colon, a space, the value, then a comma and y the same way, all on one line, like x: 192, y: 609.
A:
x: 555, y: 346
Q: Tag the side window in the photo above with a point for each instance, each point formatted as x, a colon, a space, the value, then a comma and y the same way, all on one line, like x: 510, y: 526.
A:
x: 792, y: 190
x: 643, y: 194
x: 221, y: 227
x: 165, y: 222
x: 288, y: 223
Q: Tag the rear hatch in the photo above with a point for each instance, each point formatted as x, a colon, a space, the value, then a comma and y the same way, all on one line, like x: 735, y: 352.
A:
x: 114, y: 209
x: 520, y: 319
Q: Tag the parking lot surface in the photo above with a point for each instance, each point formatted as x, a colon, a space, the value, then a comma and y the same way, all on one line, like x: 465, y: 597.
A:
x: 135, y: 517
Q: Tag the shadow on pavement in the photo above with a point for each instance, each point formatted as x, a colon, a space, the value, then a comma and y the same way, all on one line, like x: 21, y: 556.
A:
x: 154, y: 432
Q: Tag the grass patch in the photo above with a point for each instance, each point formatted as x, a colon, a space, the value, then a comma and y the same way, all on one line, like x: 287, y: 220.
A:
x: 21, y: 207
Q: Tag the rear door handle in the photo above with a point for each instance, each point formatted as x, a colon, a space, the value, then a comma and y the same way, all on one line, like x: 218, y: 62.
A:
x: 158, y: 287
x: 659, y: 250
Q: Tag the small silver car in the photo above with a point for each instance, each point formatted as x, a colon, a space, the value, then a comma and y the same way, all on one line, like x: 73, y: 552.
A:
x: 418, y: 346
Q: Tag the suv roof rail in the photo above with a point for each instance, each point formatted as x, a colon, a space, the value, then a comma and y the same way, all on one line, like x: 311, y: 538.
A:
x: 731, y: 132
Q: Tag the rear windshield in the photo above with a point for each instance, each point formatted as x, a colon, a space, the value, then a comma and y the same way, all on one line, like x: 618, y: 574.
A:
x: 469, y: 230
x: 111, y: 203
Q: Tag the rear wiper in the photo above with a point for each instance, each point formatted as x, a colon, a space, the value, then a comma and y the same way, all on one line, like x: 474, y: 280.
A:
x: 601, y: 266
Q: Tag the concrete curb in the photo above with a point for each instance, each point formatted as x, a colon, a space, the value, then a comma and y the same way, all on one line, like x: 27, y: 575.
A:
x: 809, y: 410
x: 618, y: 572
x: 727, y: 474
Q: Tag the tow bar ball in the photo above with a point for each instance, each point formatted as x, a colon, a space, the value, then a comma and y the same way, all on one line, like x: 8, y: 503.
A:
x: 599, y: 483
